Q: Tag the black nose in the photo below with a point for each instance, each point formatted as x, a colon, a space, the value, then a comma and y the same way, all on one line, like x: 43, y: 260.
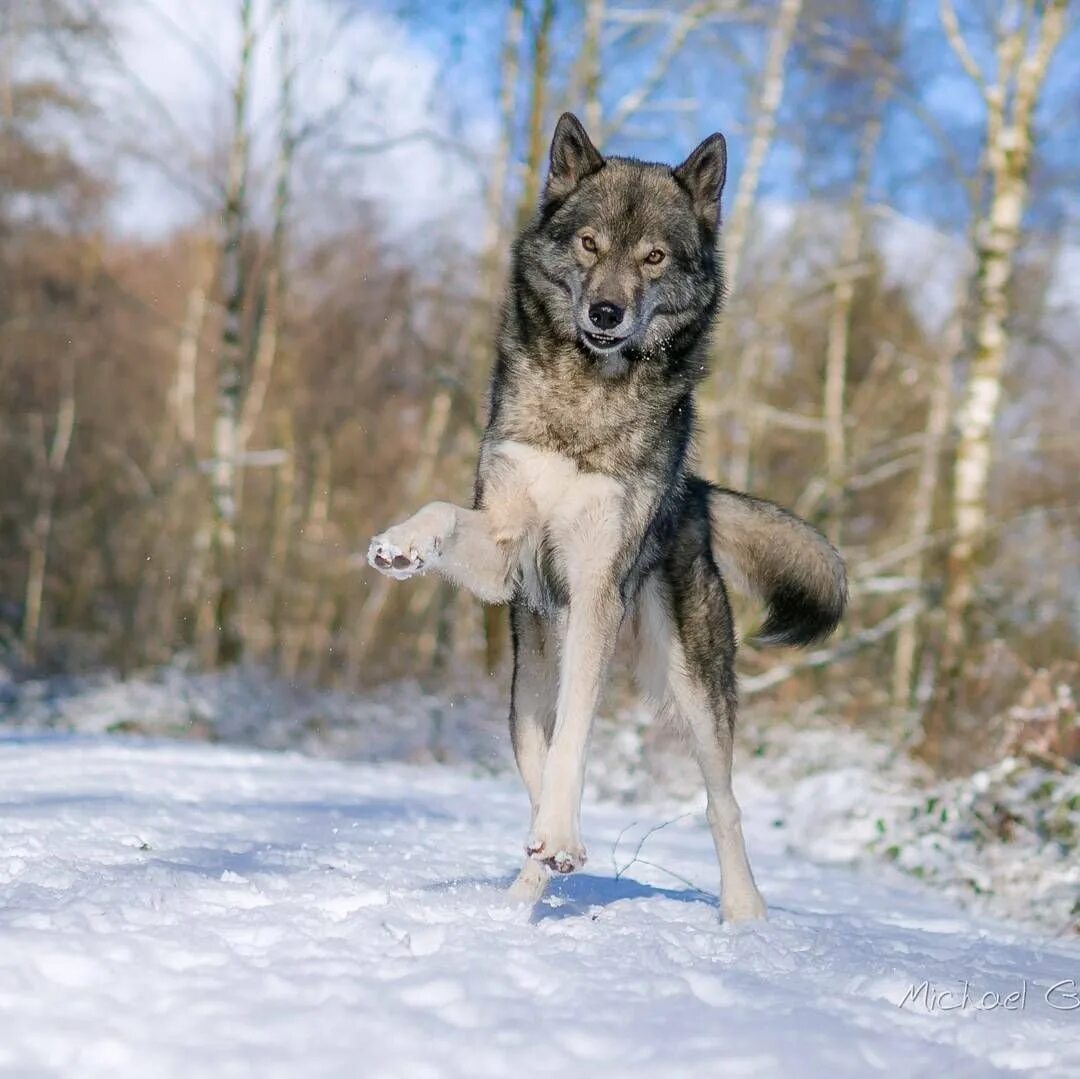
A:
x: 605, y: 316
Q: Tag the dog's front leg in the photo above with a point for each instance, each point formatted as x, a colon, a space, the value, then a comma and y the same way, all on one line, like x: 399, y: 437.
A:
x: 459, y: 544
x: 592, y: 626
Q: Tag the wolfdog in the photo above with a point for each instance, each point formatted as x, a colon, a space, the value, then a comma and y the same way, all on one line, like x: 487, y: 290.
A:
x: 586, y: 515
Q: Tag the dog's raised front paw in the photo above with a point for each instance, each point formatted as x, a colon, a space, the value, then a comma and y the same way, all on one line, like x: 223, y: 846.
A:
x: 398, y: 562
x: 414, y: 546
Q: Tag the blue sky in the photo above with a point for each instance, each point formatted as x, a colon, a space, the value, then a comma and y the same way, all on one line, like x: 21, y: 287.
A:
x: 912, y: 174
x: 433, y: 65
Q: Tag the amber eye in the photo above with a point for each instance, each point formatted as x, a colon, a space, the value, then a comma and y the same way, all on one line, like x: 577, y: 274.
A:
x: 655, y: 257
x: 589, y: 244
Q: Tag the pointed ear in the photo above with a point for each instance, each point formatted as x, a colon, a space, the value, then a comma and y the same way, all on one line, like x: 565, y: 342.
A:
x: 703, y: 174
x: 573, y: 157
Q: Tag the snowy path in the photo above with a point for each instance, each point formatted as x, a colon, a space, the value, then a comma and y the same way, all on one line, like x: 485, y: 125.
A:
x: 175, y: 910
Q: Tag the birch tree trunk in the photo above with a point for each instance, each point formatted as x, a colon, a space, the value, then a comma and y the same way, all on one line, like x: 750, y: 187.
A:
x: 228, y: 643
x: 537, y: 131
x: 922, y: 504
x: 1026, y: 44
x: 308, y: 636
x: 267, y: 336
x: 590, y: 66
x: 51, y: 460
x: 837, y: 342
x: 285, y: 516
x: 174, y: 464
x: 494, y: 225
x: 269, y: 328
x: 493, y: 619
x: 770, y: 95
x: 182, y: 396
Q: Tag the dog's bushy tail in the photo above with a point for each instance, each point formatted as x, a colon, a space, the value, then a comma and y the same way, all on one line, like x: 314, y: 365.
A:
x: 781, y: 561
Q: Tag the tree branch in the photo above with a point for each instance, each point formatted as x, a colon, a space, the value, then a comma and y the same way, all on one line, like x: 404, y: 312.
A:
x: 953, y: 34
x: 822, y: 657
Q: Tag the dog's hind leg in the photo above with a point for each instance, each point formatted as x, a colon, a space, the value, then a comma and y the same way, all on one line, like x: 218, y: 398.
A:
x: 711, y: 724
x: 533, y: 696
x: 688, y: 622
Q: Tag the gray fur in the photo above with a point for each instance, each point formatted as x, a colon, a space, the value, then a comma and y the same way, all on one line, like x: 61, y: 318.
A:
x: 586, y: 514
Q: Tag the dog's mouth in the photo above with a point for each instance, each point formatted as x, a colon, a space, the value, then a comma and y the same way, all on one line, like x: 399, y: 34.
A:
x: 603, y: 342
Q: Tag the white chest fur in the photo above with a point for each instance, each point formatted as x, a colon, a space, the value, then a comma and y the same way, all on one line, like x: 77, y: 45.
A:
x: 532, y: 492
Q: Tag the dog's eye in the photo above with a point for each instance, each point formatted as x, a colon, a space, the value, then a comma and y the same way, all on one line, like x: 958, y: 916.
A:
x: 655, y: 257
x: 589, y: 244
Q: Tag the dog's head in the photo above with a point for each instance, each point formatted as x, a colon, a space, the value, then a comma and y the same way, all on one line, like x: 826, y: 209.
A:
x: 622, y: 254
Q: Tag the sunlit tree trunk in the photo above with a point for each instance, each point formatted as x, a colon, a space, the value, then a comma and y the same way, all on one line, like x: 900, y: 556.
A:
x: 769, y: 96
x: 182, y: 398
x: 268, y: 334
x: 923, y: 498
x: 308, y: 637
x: 839, y: 329
x: 536, y: 137
x: 266, y: 361
x: 494, y: 226
x: 590, y: 66
x: 228, y: 643
x: 1027, y: 40
x: 482, y: 331
x: 284, y: 517
x: 50, y: 460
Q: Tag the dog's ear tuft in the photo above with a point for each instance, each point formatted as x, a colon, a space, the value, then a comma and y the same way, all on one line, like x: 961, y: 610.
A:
x: 703, y: 174
x: 573, y: 157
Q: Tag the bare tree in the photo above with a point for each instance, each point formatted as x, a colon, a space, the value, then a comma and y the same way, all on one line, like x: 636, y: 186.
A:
x: 1028, y: 34
x: 536, y: 135
x: 481, y: 327
x: 592, y: 32
x: 50, y: 459
x: 182, y: 396
x: 927, y: 482
x: 495, y: 210
x: 843, y: 297
x: 770, y: 93
x: 268, y: 330
x: 768, y: 97
x: 228, y: 643
x: 362, y: 354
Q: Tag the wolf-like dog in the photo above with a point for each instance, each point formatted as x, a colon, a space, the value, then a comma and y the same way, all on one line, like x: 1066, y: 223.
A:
x: 586, y: 515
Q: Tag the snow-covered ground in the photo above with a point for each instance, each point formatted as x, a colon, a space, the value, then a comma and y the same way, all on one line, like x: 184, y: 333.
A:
x: 184, y: 909
x: 1004, y: 842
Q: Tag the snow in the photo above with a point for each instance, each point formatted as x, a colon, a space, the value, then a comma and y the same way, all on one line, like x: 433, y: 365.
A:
x: 1002, y: 842
x: 399, y: 721
x: 188, y: 909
